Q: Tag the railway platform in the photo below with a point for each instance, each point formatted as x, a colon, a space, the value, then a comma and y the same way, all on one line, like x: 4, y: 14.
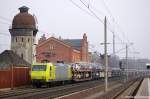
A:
x: 139, y: 89
x: 144, y: 90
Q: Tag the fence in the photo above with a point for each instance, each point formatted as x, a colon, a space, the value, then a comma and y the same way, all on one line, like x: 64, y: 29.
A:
x: 14, y: 77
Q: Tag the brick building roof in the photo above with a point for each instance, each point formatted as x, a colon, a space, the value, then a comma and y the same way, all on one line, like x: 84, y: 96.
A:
x: 75, y: 43
x: 9, y: 58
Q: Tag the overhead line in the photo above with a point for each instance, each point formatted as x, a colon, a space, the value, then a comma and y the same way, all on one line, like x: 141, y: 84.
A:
x: 108, y: 10
x: 5, y: 34
x: 102, y: 22
x: 98, y: 18
x: 122, y: 32
x: 6, y: 19
x: 92, y: 12
x: 80, y: 8
x: 95, y: 15
x: 4, y: 23
x: 109, y: 28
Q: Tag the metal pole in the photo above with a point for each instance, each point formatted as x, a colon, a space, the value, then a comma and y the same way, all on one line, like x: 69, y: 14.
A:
x: 113, y: 43
x: 32, y: 47
x: 12, y: 78
x: 105, y: 57
x: 127, y: 62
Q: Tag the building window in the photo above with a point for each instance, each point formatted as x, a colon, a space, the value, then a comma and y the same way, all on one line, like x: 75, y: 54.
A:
x: 28, y: 39
x: 22, y: 39
x: 16, y: 39
x: 51, y: 47
x: 21, y: 55
x: 45, y: 61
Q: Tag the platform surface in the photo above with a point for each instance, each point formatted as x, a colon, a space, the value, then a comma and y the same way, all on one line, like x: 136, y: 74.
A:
x: 144, y: 90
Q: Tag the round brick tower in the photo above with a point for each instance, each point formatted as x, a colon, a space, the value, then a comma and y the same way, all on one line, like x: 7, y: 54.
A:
x: 23, y: 32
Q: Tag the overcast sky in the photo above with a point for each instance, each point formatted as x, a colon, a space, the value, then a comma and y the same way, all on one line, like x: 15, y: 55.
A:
x: 63, y: 18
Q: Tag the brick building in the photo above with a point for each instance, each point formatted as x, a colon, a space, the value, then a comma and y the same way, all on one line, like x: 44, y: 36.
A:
x: 64, y: 50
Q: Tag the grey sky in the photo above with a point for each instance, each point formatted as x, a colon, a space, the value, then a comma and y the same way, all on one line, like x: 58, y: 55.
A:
x: 62, y: 18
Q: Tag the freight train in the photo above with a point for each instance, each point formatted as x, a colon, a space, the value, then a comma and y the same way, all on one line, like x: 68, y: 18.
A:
x: 50, y: 73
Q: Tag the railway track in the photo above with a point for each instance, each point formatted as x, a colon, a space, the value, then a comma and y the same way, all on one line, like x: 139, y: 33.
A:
x: 122, y: 91
x: 129, y: 91
x: 49, y: 93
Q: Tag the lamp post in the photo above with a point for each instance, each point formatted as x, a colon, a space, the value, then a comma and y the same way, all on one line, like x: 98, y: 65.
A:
x: 105, y: 56
x: 127, y: 46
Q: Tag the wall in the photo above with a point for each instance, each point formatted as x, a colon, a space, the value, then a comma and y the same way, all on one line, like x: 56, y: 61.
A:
x: 22, y: 43
x: 53, y: 51
x: 18, y: 76
x: 76, y: 56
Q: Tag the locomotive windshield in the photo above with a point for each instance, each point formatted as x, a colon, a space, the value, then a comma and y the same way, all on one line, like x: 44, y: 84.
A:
x: 39, y: 68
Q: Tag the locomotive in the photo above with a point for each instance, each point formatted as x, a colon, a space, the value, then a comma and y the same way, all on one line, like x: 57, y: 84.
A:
x: 48, y: 73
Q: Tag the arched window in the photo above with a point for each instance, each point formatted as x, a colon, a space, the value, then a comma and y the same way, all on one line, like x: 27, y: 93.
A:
x: 16, y: 39
x: 21, y: 55
x: 22, y: 39
x: 51, y: 46
x: 28, y: 39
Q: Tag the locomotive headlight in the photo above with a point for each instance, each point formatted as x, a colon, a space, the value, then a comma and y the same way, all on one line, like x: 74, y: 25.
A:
x: 97, y: 74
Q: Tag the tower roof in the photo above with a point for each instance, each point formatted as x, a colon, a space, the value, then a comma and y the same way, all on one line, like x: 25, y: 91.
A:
x: 23, y: 9
x: 24, y: 19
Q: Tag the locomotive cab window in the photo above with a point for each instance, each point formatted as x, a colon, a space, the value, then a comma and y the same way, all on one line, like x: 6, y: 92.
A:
x: 39, y: 68
x: 148, y: 66
x: 50, y: 68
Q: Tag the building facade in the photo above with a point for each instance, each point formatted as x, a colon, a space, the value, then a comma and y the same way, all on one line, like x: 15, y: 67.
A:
x: 62, y: 50
x: 23, y: 32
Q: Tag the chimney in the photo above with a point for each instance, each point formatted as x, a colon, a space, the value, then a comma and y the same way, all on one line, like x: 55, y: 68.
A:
x: 42, y: 39
x: 60, y: 38
x: 84, y: 49
x: 84, y: 37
